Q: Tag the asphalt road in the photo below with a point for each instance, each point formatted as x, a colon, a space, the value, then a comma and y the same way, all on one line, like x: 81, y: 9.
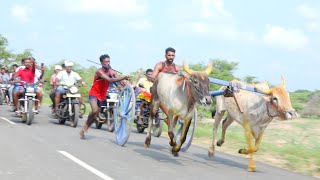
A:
x: 46, y: 150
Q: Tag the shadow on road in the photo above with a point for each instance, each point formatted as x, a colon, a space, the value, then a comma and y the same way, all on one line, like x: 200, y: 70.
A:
x: 158, y: 156
x: 220, y: 160
x: 18, y: 120
x: 152, y: 146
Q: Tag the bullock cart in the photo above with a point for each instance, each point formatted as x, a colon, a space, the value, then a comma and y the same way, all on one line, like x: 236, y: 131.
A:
x: 126, y: 112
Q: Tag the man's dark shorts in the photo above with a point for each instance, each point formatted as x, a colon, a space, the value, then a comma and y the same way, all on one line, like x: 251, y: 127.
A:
x: 100, y: 103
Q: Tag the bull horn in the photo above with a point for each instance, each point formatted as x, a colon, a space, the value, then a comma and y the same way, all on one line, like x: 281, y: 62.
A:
x: 209, y: 68
x: 265, y: 91
x: 186, y: 69
x: 283, y: 82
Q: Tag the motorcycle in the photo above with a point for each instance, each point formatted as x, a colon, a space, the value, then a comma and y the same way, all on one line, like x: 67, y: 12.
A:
x: 26, y: 102
x: 157, y: 121
x: 4, y: 94
x: 69, y: 106
x: 106, y: 115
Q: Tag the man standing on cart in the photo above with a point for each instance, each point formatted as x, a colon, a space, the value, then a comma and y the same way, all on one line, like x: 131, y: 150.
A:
x: 98, y: 92
x: 167, y: 66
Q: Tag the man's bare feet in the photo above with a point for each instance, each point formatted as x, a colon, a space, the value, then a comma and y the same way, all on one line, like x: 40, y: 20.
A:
x: 82, y: 134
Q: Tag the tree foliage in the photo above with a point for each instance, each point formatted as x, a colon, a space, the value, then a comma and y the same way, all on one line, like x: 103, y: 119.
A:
x: 250, y: 79
x: 8, y: 57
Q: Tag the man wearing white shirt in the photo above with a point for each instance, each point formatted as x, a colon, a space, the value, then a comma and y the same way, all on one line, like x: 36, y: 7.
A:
x: 65, y: 79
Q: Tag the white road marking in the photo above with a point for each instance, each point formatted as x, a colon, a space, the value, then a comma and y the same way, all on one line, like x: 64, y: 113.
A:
x: 7, y: 120
x: 85, y: 165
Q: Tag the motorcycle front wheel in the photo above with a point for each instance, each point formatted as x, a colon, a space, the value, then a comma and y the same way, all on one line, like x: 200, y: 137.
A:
x: 30, y: 115
x: 75, y: 117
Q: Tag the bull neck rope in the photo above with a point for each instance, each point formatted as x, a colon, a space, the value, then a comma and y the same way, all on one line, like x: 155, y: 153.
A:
x: 268, y: 111
x: 188, y: 84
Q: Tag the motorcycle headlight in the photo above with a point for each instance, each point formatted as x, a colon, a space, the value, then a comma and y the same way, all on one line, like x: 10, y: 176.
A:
x: 113, y: 96
x: 73, y: 90
x: 29, y: 89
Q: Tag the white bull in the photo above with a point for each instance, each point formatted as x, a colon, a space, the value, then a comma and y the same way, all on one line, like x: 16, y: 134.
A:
x: 177, y: 96
x: 257, y: 112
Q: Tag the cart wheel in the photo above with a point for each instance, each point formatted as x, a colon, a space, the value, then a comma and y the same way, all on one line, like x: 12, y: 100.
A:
x: 124, y: 114
x: 189, y: 136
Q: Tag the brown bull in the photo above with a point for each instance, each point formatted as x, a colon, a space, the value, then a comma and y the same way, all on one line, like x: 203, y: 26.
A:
x: 177, y: 96
x: 257, y: 112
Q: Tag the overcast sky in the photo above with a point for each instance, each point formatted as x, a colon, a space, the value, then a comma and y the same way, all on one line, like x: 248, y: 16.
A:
x: 268, y: 38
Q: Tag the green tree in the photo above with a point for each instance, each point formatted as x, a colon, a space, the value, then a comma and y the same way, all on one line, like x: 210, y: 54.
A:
x: 7, y: 57
x: 250, y: 79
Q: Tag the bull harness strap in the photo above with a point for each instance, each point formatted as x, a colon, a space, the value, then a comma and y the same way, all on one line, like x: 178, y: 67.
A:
x: 237, y: 99
x: 187, y: 83
x: 229, y: 92
x: 268, y: 106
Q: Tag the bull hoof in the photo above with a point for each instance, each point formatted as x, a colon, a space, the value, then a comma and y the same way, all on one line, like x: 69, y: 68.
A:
x: 147, y: 142
x: 175, y: 154
x: 211, y: 152
x: 146, y: 146
x: 220, y: 142
x: 252, y: 168
x: 243, y: 151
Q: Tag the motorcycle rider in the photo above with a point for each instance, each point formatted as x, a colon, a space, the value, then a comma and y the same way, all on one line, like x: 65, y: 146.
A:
x: 26, y: 74
x: 4, y: 77
x: 10, y: 90
x: 66, y: 79
x: 144, y: 85
x: 98, y: 92
x: 38, y: 79
x: 57, y: 69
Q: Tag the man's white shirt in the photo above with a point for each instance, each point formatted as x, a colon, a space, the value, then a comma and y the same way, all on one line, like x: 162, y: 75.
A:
x: 66, y: 79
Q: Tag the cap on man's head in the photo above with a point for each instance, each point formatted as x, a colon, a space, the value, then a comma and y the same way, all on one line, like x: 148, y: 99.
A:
x: 67, y: 63
x: 57, y: 67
